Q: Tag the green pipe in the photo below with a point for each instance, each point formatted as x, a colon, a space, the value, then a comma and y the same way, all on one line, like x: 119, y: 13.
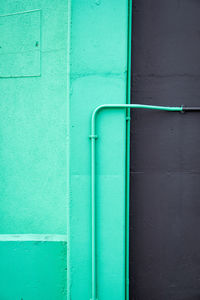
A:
x: 93, y: 138
x: 127, y: 179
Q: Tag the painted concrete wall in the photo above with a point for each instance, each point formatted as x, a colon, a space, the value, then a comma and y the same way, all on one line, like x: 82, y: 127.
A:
x: 42, y: 197
x: 165, y: 190
x: 33, y: 130
x: 33, y: 270
x: 33, y: 117
x: 98, y: 75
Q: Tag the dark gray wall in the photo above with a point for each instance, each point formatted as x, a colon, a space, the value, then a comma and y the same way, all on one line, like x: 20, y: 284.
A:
x: 165, y: 152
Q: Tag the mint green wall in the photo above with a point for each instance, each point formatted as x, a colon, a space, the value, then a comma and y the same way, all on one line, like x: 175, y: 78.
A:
x: 33, y: 270
x: 33, y: 122
x: 44, y: 179
x: 33, y: 149
x: 98, y: 74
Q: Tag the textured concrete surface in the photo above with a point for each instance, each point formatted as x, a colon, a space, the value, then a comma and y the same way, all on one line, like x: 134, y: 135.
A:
x: 165, y: 156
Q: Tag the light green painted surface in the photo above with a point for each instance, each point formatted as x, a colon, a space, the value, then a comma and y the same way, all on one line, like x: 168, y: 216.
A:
x: 33, y: 122
x: 99, y: 39
x: 33, y: 270
x: 33, y: 148
x: 20, y: 44
x: 36, y: 102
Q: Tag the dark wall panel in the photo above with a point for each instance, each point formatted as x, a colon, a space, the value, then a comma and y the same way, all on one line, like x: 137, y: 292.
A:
x: 165, y: 152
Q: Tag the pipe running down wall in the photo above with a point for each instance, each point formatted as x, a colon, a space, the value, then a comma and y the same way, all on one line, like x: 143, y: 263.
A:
x: 93, y: 138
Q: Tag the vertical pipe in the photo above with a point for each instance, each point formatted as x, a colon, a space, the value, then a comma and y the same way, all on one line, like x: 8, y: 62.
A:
x: 127, y: 176
x: 68, y: 258
x: 93, y: 192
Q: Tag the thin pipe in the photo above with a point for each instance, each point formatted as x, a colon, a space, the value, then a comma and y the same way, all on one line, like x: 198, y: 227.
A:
x: 191, y: 108
x: 127, y: 175
x: 93, y: 138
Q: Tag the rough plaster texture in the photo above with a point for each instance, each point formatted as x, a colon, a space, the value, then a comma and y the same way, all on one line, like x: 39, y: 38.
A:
x: 33, y: 152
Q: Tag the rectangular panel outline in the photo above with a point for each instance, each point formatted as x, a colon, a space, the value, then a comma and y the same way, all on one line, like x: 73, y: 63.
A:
x: 40, y: 52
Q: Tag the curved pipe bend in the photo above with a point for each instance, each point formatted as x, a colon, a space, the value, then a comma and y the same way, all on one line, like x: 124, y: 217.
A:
x: 93, y: 137
x: 126, y: 106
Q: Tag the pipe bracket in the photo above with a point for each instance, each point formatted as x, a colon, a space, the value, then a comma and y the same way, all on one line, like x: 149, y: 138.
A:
x: 93, y: 136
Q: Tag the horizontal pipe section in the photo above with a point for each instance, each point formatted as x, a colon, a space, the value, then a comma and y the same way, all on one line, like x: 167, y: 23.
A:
x: 190, y: 108
x: 141, y: 106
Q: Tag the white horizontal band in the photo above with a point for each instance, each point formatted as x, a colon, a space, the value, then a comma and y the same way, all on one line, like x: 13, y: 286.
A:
x: 33, y: 238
